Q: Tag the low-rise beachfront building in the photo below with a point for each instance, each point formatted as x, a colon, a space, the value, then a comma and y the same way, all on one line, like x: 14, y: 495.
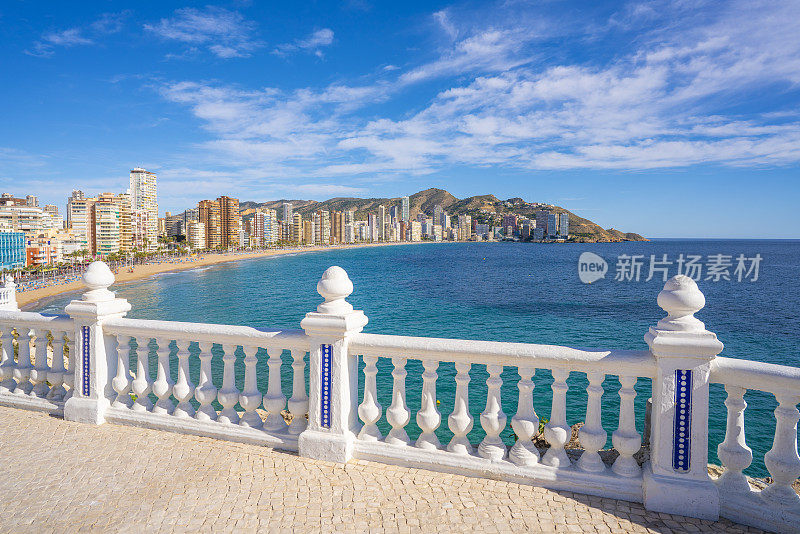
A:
x: 42, y: 250
x: 12, y: 250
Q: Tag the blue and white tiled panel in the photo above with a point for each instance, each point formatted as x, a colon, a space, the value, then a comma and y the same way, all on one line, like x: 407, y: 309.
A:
x: 325, y: 391
x: 682, y: 436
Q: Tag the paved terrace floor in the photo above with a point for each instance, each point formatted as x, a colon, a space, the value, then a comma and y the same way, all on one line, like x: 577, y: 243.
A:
x: 61, y: 476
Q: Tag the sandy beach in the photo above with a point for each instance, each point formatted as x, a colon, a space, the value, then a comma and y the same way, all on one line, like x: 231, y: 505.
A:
x: 31, y: 300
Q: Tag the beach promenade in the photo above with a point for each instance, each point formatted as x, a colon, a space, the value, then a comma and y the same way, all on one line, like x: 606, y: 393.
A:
x: 114, y: 478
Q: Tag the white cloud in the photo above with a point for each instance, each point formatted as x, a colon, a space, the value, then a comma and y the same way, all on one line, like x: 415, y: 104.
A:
x: 666, y: 102
x: 313, y: 43
x: 106, y: 24
x: 443, y: 19
x: 226, y: 34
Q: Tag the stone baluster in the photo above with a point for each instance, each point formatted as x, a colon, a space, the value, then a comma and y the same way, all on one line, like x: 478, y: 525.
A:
x: 734, y: 453
x: 184, y: 389
x: 122, y: 381
x: 228, y: 396
x: 493, y: 420
x: 69, y: 375
x: 370, y: 410
x: 398, y: 415
x: 22, y: 372
x: 141, y: 383
x: 625, y: 438
x: 250, y: 398
x: 782, y: 460
x: 298, y: 404
x: 7, y: 363
x: 592, y: 435
x: 162, y: 387
x: 57, y: 370
x: 460, y: 420
x: 205, y: 393
x: 274, y: 400
x: 40, y: 369
x: 525, y: 422
x: 557, y: 432
x: 428, y: 417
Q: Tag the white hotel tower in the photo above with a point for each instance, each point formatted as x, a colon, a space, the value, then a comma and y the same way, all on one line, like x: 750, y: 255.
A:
x: 144, y: 207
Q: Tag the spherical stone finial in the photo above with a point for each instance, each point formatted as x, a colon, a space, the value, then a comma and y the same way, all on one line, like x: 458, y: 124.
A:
x: 335, y: 286
x: 98, y: 277
x: 681, y: 299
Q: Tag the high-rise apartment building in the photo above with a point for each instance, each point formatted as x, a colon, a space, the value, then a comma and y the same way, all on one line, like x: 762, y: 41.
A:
x: 144, y: 204
x: 230, y: 221
x: 405, y: 207
x: 287, y: 212
x: 322, y: 227
x: 337, y: 227
x: 12, y: 250
x: 104, y: 225
x: 297, y: 228
x: 209, y: 215
x: 381, y: 223
x: 196, y: 235
x: 552, y: 225
x: 309, y: 232
x: 76, y: 196
x: 563, y: 225
x: 32, y: 201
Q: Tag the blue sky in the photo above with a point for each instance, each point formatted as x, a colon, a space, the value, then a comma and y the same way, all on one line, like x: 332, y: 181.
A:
x: 671, y: 119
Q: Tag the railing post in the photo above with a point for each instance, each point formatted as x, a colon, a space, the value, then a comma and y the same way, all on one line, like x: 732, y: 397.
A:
x: 8, y: 294
x: 333, y: 374
x: 95, y: 357
x: 676, y: 478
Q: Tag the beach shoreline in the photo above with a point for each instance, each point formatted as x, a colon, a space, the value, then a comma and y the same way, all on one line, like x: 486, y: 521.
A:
x: 36, y: 299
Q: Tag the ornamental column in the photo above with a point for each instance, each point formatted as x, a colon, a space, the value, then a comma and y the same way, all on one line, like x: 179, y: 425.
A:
x: 333, y: 373
x: 95, y: 352
x: 676, y: 479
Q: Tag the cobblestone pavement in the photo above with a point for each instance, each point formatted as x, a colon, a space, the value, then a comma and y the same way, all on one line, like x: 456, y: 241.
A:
x: 60, y: 476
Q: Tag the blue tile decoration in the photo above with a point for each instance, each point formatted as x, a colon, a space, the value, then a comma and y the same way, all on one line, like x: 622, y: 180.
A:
x: 682, y: 435
x: 85, y: 349
x: 325, y: 396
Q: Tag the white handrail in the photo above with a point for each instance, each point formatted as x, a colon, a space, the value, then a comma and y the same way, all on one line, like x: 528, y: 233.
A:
x: 760, y: 376
x: 208, y: 332
x: 633, y: 362
x: 36, y: 320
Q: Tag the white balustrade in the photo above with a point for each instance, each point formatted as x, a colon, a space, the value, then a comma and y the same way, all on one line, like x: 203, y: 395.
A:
x: 205, y: 393
x: 228, y: 396
x: 40, y: 368
x: 428, y: 416
x: 493, y: 420
x: 162, y: 387
x: 298, y: 404
x: 461, y: 420
x: 398, y: 414
x: 274, y: 400
x: 141, y: 383
x: 57, y: 369
x: 69, y: 375
x: 22, y: 371
x: 183, y: 389
x: 557, y: 432
x: 625, y: 438
x: 592, y: 435
x: 250, y: 398
x: 122, y: 380
x: 370, y: 410
x: 734, y: 453
x: 525, y: 422
x: 782, y: 460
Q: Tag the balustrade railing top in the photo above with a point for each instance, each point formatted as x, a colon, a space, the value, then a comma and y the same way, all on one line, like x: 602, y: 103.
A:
x: 299, y: 390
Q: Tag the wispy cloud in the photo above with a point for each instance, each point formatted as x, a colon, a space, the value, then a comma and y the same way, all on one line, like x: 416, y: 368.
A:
x: 226, y: 34
x: 313, y: 43
x: 663, y: 103
x: 106, y: 24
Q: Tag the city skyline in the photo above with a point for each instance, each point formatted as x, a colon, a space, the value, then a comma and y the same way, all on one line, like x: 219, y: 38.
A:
x: 666, y: 120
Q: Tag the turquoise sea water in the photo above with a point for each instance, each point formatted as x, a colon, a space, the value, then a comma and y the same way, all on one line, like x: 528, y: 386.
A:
x: 504, y: 292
